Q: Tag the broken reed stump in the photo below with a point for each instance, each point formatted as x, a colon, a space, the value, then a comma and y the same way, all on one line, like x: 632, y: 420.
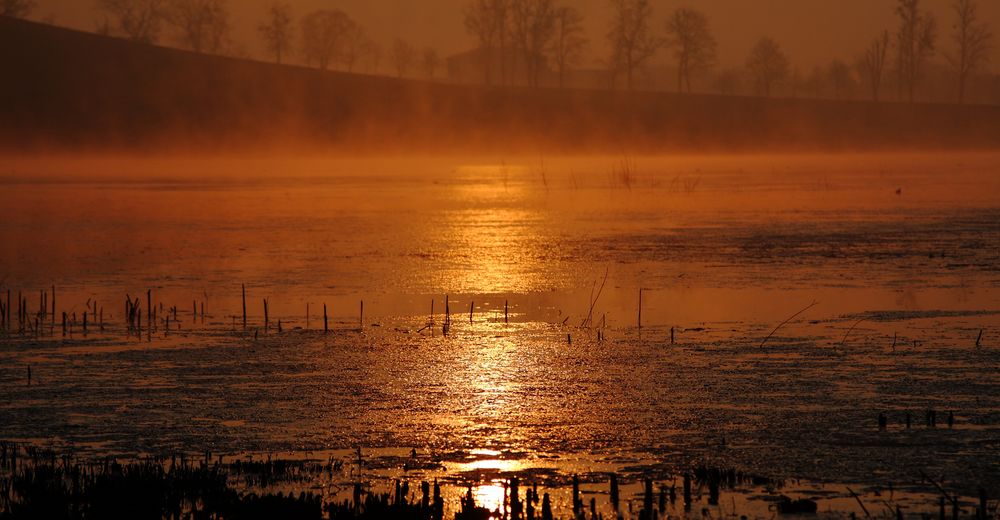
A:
x: 267, y: 319
x: 53, y: 305
x: 979, y: 338
x: 149, y: 309
x: 326, y: 327
x: 472, y: 306
x: 687, y: 491
x: 244, y: 307
x: 505, y: 312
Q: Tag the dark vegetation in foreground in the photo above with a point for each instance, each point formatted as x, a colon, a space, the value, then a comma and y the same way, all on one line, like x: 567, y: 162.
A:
x: 70, y: 90
x: 38, y: 483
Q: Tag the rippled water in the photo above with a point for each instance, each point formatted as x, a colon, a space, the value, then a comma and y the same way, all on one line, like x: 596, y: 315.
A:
x: 901, y: 254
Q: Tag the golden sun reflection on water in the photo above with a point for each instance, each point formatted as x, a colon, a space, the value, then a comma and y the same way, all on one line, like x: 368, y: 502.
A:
x: 491, y: 493
x: 495, y: 242
x: 490, y: 496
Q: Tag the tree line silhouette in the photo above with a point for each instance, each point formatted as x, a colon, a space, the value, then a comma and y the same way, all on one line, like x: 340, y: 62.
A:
x: 542, y: 42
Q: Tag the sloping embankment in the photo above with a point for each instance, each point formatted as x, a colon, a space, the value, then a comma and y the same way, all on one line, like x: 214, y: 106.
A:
x: 72, y: 90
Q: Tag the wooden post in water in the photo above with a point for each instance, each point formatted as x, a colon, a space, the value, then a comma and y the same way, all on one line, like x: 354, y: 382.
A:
x: 361, y: 319
x: 576, y: 497
x: 472, y: 306
x: 267, y: 320
x: 326, y: 327
x: 505, y: 312
x: 647, y: 498
x: 244, y: 307
x: 640, y: 308
x: 432, y: 311
x: 614, y: 492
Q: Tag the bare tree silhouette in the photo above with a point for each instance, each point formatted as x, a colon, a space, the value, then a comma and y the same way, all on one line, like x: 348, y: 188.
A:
x: 972, y: 40
x: 915, y: 43
x: 568, y: 42
x: 371, y: 53
x: 137, y: 20
x: 768, y: 64
x: 429, y: 62
x: 533, y: 24
x: 403, y: 54
x: 277, y: 30
x: 16, y: 8
x: 203, y: 24
x: 355, y: 45
x: 839, y: 74
x: 489, y: 21
x: 694, y: 47
x: 871, y: 65
x: 323, y: 36
x: 632, y: 41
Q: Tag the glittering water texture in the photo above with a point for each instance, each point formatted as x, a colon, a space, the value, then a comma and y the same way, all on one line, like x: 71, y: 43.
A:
x: 901, y: 254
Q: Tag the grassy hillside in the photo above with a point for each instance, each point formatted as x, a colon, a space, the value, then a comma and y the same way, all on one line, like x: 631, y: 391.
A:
x: 74, y: 90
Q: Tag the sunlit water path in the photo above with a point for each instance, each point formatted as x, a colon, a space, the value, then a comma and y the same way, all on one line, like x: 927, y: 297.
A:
x: 901, y: 254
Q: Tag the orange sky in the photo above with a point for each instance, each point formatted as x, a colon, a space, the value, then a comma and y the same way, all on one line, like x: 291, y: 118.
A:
x: 812, y: 31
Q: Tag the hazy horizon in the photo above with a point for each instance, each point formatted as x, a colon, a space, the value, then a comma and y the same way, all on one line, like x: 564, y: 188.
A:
x: 812, y: 32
